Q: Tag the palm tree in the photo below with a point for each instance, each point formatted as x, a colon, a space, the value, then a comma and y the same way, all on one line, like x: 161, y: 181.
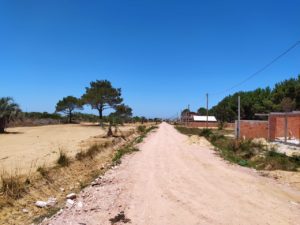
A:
x: 9, y: 110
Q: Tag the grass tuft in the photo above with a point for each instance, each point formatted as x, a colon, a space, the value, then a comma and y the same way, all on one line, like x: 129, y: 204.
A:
x: 63, y: 160
x: 91, y: 152
x: 141, y: 128
x: 12, y: 185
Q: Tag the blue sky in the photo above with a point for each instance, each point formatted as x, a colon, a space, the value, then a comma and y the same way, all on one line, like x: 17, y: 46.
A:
x: 163, y: 54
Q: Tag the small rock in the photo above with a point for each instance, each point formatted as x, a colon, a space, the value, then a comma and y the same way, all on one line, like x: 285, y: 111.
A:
x: 294, y: 203
x: 70, y: 203
x: 25, y: 211
x: 41, y: 204
x: 62, y: 189
x: 79, y: 204
x: 71, y: 196
x: 60, y: 212
x: 51, y: 202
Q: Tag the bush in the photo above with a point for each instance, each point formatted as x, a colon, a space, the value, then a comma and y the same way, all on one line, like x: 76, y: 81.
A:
x: 12, y: 185
x: 63, y: 159
x: 122, y: 151
x: 206, y: 132
x: 141, y: 128
x: 90, y: 152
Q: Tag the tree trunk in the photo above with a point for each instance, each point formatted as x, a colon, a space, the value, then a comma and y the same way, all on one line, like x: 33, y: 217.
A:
x: 100, y: 117
x: 2, y: 125
x: 70, y: 117
x: 109, y: 132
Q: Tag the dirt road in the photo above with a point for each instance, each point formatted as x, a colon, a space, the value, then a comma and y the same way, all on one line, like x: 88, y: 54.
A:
x: 171, y: 181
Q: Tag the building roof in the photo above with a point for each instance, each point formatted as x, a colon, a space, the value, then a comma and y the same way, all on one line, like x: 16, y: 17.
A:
x: 204, y: 118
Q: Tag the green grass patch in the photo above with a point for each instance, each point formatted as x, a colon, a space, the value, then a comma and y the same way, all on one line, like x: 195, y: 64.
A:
x: 122, y: 151
x: 245, y: 152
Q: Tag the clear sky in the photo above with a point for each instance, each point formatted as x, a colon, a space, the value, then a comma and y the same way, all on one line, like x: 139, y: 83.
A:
x: 163, y: 54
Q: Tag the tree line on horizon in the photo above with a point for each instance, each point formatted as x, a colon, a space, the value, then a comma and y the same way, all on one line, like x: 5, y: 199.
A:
x: 100, y: 95
x: 284, y: 97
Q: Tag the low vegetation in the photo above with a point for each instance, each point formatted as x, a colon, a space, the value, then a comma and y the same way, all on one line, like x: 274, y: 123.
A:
x: 130, y: 148
x: 13, y: 185
x: 17, y: 190
x: 63, y: 159
x: 246, y: 152
x: 91, y: 152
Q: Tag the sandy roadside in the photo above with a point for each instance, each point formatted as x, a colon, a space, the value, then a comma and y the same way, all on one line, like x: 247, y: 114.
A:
x: 25, y: 148
x: 171, y: 181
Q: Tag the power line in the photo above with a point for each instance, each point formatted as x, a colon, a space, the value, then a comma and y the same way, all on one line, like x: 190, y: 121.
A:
x: 260, y: 70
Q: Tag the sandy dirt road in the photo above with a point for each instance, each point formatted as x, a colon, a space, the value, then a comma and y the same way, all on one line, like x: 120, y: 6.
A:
x: 171, y: 181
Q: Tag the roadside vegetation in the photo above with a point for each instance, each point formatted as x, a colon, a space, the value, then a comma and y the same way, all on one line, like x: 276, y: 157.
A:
x: 69, y: 173
x: 245, y: 152
x: 131, y: 146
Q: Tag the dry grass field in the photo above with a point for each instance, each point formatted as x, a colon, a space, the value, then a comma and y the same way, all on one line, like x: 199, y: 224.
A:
x: 26, y: 148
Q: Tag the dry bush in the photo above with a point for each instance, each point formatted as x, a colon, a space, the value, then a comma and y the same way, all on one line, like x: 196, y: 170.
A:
x: 63, y: 159
x: 13, y: 185
x: 90, y: 152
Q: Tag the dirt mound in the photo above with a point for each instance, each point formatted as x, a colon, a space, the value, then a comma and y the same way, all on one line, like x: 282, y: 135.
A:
x: 194, y: 139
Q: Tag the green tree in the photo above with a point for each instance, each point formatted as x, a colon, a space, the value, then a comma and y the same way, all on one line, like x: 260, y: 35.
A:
x: 287, y: 104
x: 68, y: 105
x: 185, y: 112
x: 122, y: 114
x: 201, y: 111
x: 102, y: 95
x: 9, y: 110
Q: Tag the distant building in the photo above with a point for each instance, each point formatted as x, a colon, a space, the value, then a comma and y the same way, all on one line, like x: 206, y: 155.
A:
x: 203, y: 118
x: 193, y: 119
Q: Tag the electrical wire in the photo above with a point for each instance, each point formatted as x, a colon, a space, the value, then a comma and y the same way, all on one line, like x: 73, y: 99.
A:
x: 260, y: 70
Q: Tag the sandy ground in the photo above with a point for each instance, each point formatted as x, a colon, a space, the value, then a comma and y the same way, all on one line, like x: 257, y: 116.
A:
x: 25, y: 148
x: 174, y: 180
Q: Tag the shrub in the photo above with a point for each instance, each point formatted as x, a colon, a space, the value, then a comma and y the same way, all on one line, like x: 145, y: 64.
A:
x: 205, y: 132
x: 43, y: 171
x: 90, y: 152
x: 122, y: 151
x: 141, y: 128
x: 12, y: 185
x: 63, y: 159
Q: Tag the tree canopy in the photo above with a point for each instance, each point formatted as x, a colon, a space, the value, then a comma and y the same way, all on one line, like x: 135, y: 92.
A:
x: 68, y: 105
x: 9, y: 110
x: 285, y: 96
x: 202, y: 111
x: 102, y: 95
x: 122, y: 114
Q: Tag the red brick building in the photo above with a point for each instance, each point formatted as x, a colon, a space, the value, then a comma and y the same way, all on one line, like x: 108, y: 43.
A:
x: 276, y: 127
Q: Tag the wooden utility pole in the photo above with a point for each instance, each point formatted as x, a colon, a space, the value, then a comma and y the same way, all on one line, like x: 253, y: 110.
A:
x: 285, y: 127
x: 207, y: 110
x: 188, y: 115
x: 239, y: 118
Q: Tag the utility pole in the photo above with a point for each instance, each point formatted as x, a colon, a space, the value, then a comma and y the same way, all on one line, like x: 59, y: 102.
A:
x: 207, y: 110
x: 239, y: 118
x: 285, y: 127
x: 188, y: 115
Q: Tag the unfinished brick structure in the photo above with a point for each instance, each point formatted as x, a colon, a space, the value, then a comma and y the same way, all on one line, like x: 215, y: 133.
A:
x: 277, y: 125
x: 273, y: 128
x: 254, y: 129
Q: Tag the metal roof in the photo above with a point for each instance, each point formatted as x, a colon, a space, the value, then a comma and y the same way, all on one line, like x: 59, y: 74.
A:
x: 204, y: 118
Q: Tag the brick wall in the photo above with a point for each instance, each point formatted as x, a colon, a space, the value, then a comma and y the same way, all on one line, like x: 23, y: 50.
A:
x: 277, y: 122
x: 203, y: 124
x: 254, y: 129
